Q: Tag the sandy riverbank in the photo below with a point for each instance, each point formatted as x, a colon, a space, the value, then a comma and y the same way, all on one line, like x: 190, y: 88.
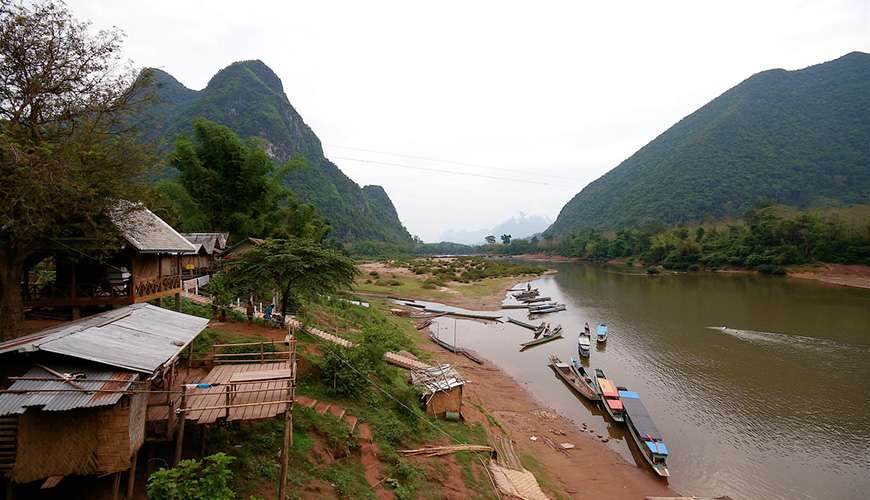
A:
x: 589, y: 471
x: 837, y: 274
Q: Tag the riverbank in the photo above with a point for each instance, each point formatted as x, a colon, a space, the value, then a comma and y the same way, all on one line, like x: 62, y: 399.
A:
x: 836, y: 274
x: 481, y: 295
x: 502, y: 405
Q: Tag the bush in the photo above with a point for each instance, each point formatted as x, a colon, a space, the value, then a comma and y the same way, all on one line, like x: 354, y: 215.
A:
x: 395, y: 283
x: 194, y: 480
x: 653, y: 270
x: 771, y: 269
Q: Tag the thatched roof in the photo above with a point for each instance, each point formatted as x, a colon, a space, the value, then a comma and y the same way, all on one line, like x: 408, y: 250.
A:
x: 147, y: 232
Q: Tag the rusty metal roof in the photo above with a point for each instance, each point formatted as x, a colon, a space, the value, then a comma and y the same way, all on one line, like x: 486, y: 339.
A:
x: 147, y: 232
x: 437, y: 378
x: 37, y: 393
x: 139, y: 337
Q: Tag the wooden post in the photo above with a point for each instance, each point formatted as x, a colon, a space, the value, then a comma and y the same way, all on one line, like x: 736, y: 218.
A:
x: 179, y: 440
x: 261, y: 353
x: 189, y: 357
x: 131, y: 477
x: 228, y: 403
x: 116, y: 486
x: 285, y: 450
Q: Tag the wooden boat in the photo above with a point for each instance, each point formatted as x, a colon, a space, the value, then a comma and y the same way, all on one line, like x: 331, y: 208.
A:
x: 530, y: 294
x: 536, y: 299
x: 585, y: 378
x: 578, y: 384
x: 553, y: 335
x: 456, y: 350
x: 535, y: 307
x: 524, y: 324
x: 609, y: 395
x: 601, y: 333
x: 583, y: 343
x: 547, y: 310
x: 644, y: 433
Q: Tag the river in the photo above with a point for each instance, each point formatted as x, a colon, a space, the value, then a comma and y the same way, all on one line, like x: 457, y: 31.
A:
x: 774, y: 406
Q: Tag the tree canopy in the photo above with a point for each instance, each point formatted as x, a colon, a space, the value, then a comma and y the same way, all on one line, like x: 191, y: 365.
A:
x: 66, y: 152
x: 298, y: 268
x: 226, y: 183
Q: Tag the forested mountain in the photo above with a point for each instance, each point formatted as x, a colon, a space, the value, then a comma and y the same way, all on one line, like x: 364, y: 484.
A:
x: 799, y: 138
x: 249, y: 98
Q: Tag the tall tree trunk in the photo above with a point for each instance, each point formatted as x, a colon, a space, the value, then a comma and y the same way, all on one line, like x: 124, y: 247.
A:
x: 284, y: 302
x: 11, y: 305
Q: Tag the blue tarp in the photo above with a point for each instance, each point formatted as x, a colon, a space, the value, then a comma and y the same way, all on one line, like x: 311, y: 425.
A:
x: 629, y: 394
x: 601, y: 330
x: 657, y: 447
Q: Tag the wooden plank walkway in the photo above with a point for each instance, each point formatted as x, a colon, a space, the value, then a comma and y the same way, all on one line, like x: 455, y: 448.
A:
x: 270, y: 390
x: 390, y: 357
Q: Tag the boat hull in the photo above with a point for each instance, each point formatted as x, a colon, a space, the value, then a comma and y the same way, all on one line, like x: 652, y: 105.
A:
x: 540, y: 341
x: 660, y: 469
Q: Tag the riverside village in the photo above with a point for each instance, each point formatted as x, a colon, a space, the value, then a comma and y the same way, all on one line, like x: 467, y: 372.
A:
x: 200, y: 298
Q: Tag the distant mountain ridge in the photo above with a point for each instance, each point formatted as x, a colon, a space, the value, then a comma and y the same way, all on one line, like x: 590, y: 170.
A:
x: 248, y: 97
x: 793, y: 137
x: 519, y: 226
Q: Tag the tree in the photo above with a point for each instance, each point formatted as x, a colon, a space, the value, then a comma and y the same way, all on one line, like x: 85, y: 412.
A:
x: 66, y: 149
x: 299, y: 268
x: 236, y: 187
x: 490, y: 240
x: 506, y: 239
x: 194, y: 480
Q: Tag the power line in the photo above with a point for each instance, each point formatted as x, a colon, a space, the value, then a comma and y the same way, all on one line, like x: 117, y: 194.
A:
x: 452, y: 172
x: 452, y: 162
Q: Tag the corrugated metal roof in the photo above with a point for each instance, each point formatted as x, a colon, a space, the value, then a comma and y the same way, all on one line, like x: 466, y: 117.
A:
x: 436, y: 379
x: 148, y: 232
x: 16, y: 404
x: 139, y: 337
x: 209, y: 241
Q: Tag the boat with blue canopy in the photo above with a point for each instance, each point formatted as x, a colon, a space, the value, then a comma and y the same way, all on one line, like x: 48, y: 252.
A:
x: 644, y: 432
x: 601, y: 333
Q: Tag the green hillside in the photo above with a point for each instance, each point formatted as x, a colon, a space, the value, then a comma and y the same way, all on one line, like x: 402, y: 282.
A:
x: 249, y: 98
x: 799, y: 138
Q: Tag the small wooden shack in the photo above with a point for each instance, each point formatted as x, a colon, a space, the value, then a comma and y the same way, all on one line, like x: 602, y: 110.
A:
x: 202, y: 261
x: 440, y: 388
x: 72, y: 401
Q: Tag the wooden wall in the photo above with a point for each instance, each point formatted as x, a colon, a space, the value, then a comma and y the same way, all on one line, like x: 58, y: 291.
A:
x: 445, y: 401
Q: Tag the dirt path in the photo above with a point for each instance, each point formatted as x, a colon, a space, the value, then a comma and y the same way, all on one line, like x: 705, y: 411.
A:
x: 520, y: 417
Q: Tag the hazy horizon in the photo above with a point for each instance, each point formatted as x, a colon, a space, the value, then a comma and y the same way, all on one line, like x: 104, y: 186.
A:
x: 535, y: 103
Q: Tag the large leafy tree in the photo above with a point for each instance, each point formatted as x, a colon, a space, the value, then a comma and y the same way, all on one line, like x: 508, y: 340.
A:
x: 66, y: 151
x: 297, y: 267
x: 229, y: 184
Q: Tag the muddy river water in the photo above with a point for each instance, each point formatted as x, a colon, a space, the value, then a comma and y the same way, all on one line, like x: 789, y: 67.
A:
x: 759, y: 385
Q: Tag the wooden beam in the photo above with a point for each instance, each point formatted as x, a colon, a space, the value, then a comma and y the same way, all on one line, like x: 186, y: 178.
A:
x: 131, y: 477
x: 179, y: 440
x: 116, y: 486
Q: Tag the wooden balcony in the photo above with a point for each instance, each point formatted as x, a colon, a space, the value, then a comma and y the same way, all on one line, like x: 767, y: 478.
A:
x: 117, y: 292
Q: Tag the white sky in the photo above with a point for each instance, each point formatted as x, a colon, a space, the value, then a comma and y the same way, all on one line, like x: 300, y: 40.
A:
x: 555, y: 92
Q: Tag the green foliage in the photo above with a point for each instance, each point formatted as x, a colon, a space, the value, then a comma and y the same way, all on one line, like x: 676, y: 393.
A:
x: 764, y: 241
x: 229, y: 184
x: 194, y: 480
x: 299, y: 268
x: 249, y: 98
x: 794, y: 137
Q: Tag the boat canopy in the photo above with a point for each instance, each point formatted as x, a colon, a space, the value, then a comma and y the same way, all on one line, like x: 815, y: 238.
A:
x: 629, y: 394
x: 657, y: 447
x: 615, y: 404
x: 640, y: 419
x: 601, y: 330
x: 607, y: 388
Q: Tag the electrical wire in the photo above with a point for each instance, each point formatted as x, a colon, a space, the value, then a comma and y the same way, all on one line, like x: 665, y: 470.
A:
x: 452, y: 172
x: 451, y: 162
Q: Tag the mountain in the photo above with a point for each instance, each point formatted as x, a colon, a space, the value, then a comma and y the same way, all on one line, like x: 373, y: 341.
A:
x: 249, y: 98
x: 792, y: 137
x: 519, y: 226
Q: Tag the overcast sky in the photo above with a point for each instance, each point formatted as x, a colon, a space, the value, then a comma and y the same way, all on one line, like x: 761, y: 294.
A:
x: 550, y: 95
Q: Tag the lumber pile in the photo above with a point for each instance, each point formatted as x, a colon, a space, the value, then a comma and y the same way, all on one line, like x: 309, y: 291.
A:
x: 437, y: 451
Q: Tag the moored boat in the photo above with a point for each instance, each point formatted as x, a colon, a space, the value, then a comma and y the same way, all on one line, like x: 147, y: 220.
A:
x: 601, y: 333
x: 644, y: 433
x: 546, y: 337
x: 581, y: 385
x: 583, y: 343
x: 609, y: 395
x: 548, y: 309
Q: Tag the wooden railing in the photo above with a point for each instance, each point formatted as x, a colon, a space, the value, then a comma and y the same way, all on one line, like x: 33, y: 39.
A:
x: 251, y: 352
x: 155, y: 286
x: 52, y: 294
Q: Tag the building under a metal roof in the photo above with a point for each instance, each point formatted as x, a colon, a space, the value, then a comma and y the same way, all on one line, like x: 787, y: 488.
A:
x: 75, y: 400
x: 441, y: 389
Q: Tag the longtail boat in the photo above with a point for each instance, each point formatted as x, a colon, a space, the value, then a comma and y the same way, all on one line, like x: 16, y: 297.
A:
x: 548, y: 309
x: 601, y: 333
x: 536, y: 299
x: 609, y: 396
x: 585, y: 378
x: 581, y: 385
x: 556, y: 333
x: 645, y: 433
x: 583, y: 343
